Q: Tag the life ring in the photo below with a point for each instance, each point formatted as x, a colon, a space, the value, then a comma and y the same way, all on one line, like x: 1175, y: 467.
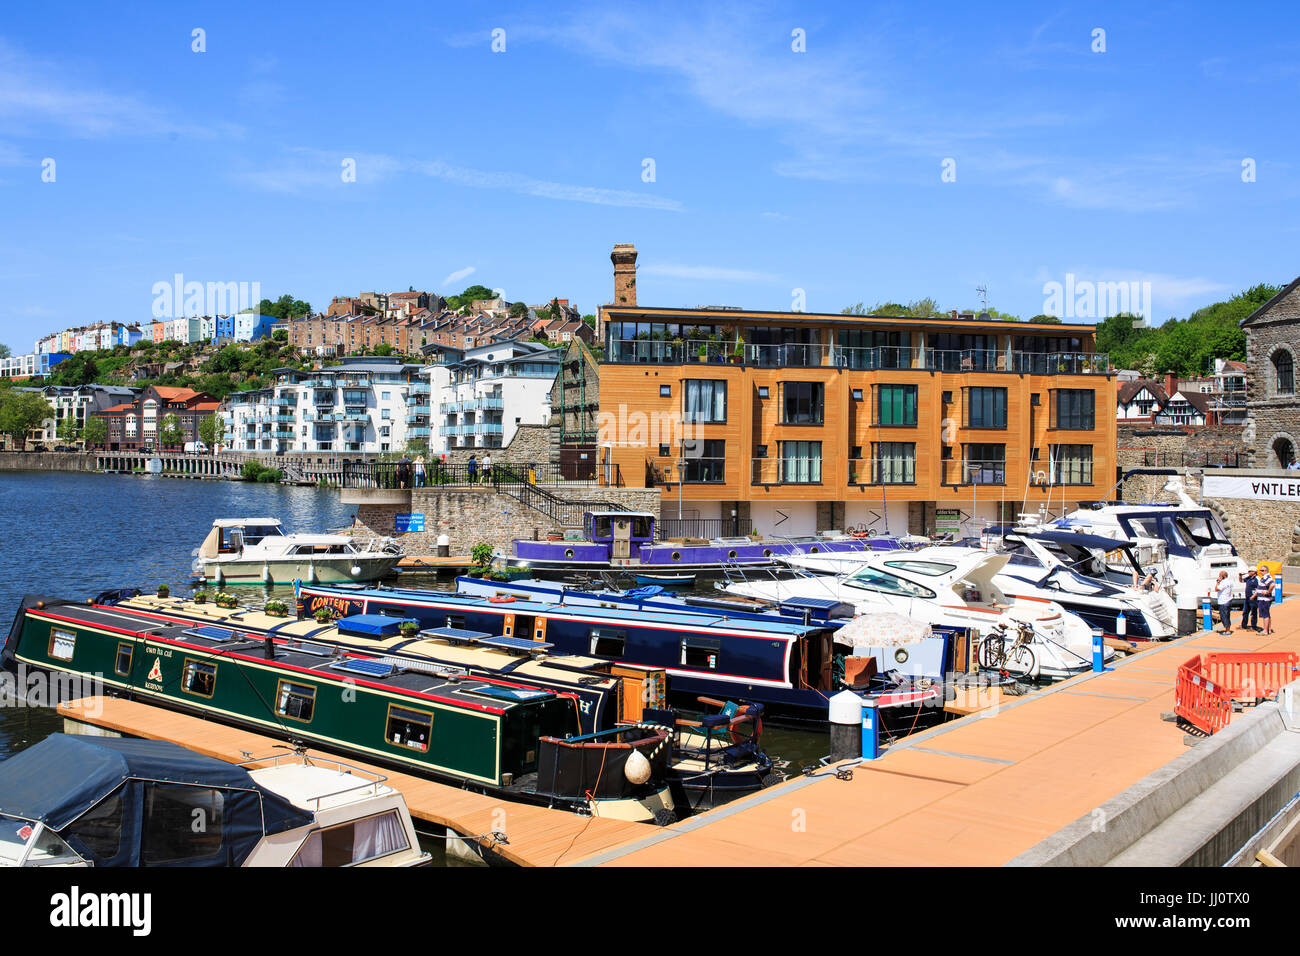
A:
x: 739, y: 738
x: 501, y: 599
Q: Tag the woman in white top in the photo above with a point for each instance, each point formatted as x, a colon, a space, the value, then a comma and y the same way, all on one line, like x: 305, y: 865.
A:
x: 1223, y: 594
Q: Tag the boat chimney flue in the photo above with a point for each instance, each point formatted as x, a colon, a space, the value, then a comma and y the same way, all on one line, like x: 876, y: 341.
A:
x: 269, y: 647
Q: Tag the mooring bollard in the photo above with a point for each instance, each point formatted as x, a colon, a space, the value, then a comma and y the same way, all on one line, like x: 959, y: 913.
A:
x: 1207, y: 623
x: 845, y: 717
x: 870, y: 730
x: 1098, y: 651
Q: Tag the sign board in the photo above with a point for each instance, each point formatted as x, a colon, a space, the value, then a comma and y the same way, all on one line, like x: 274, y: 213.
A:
x: 947, y: 520
x: 1254, y: 489
x: 407, y: 523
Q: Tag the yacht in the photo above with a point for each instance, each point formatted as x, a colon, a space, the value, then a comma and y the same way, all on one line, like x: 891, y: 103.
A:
x: 1188, y: 539
x: 257, y: 551
x: 76, y: 801
x: 943, y: 585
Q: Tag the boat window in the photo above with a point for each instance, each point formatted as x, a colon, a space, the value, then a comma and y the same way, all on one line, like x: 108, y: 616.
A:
x: 642, y: 527
x: 409, y: 728
x: 15, y: 833
x: 700, y: 652
x: 871, y: 579
x: 199, y: 677
x: 608, y: 642
x: 256, y: 532
x: 100, y: 827
x: 123, y: 663
x: 181, y: 824
x: 601, y: 527
x: 456, y: 621
x: 296, y: 701
x: 929, y: 568
x: 354, y: 842
x: 1203, y: 529
x: 62, y: 644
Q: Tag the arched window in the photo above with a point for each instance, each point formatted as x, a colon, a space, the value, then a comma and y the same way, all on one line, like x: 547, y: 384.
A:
x: 1285, y: 367
x: 1285, y: 452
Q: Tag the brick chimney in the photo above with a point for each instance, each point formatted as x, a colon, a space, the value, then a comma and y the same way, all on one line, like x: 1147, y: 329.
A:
x: 624, y: 259
x: 1171, y: 383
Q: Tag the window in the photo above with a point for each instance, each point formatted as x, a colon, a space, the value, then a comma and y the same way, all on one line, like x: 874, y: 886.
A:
x: 122, y: 665
x: 705, y: 460
x: 665, y: 451
x: 984, y: 464
x: 762, y: 391
x: 857, y: 394
x: 931, y: 569
x: 181, y: 824
x: 356, y: 842
x: 704, y: 401
x: 665, y: 391
x: 700, y: 652
x: 101, y: 828
x: 62, y: 644
x: 409, y: 728
x: 986, y: 408
x: 882, y: 582
x: 1284, y: 366
x: 896, y: 405
x: 1071, y: 464
x: 893, y: 463
x: 801, y: 403
x: 1073, y: 408
x: 199, y: 678
x: 801, y: 462
x: 296, y: 701
x: 608, y: 642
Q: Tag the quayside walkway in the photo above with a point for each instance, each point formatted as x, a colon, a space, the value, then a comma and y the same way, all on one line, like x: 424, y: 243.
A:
x: 979, y: 791
x: 537, y: 836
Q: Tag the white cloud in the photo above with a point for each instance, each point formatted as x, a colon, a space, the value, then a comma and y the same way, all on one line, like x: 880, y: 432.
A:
x: 457, y: 276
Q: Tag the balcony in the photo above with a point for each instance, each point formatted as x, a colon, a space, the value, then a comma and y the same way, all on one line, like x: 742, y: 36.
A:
x: 488, y: 428
x: 418, y: 388
x: 798, y: 355
x: 418, y: 431
x: 990, y: 471
x: 786, y: 471
x: 448, y: 430
x: 882, y: 471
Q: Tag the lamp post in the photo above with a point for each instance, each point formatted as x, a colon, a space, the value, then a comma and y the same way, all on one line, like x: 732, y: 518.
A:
x: 681, y: 477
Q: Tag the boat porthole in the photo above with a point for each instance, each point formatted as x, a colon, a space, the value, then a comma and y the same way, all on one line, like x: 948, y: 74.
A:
x: 731, y: 554
x: 568, y: 552
x: 677, y: 555
x: 901, y: 655
x: 767, y: 552
x: 812, y: 550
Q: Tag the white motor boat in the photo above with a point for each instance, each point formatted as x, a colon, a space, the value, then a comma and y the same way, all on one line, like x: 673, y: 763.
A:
x: 941, y: 585
x: 1188, y: 538
x: 257, y: 551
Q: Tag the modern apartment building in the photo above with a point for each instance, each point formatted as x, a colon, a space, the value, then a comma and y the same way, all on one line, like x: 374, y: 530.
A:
x: 79, y: 402
x: 809, y: 422
x: 31, y: 365
x: 485, y: 393
x: 135, y: 425
x: 362, y: 405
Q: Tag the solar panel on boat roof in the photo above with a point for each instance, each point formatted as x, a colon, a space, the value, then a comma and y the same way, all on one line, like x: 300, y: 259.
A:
x: 454, y: 633
x: 358, y: 665
x: 513, y: 643
x: 509, y: 693
x: 307, y: 647
x: 210, y: 632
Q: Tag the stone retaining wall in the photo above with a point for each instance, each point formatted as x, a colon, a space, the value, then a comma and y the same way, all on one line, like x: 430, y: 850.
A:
x: 45, y: 461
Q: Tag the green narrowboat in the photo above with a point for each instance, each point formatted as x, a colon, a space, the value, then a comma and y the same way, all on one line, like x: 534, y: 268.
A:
x: 483, y: 732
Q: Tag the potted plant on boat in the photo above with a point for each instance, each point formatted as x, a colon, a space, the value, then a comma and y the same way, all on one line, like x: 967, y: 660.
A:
x: 323, y: 615
x: 276, y: 608
x: 200, y: 597
x: 225, y: 599
x: 164, y: 591
x: 481, y: 554
x: 409, y: 629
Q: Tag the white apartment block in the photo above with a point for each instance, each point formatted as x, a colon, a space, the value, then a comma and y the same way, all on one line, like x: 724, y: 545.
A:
x: 485, y: 393
x: 365, y: 405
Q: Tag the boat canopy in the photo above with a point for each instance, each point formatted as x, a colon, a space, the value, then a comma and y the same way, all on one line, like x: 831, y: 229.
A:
x: 245, y: 522
x: 137, y: 788
x: 1093, y: 542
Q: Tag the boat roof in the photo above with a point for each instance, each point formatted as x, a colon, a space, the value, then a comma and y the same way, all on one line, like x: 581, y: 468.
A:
x: 1093, y: 542
x: 622, y: 514
x: 63, y: 776
x: 241, y: 522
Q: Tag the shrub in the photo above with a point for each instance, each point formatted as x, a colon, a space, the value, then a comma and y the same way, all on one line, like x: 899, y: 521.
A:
x: 200, y: 597
x: 323, y: 615
x: 256, y: 471
x: 225, y: 599
x: 164, y: 590
x: 481, y: 554
x: 408, y: 628
x: 276, y: 608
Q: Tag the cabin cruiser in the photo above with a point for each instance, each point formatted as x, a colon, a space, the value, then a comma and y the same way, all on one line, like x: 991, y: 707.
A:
x: 257, y: 551
x: 1187, y: 538
x: 941, y: 585
x: 110, y: 801
x: 1081, y: 573
x: 626, y: 540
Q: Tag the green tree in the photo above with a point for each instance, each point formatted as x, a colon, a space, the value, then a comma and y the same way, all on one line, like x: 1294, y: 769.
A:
x: 4, y: 351
x: 1045, y: 320
x: 285, y: 307
x: 96, y: 432
x: 170, y: 433
x: 20, y: 412
x: 208, y: 432
x: 517, y: 309
x: 68, y: 430
x: 77, y: 369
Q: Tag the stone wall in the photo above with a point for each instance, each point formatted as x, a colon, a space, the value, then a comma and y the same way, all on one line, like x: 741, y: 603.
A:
x: 1271, y: 415
x: 45, y: 461
x: 539, y: 444
x: 1168, y: 443
x: 472, y: 515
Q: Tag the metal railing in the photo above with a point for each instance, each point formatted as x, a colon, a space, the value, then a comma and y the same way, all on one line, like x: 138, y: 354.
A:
x: 1191, y: 459
x: 882, y: 471
x: 991, y: 471
x: 703, y: 528
x: 390, y: 475
x: 786, y: 471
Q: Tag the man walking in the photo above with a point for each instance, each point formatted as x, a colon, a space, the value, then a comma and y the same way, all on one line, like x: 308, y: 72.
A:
x: 1249, y: 610
x: 1264, y: 599
x: 471, y: 469
x: 1223, y: 595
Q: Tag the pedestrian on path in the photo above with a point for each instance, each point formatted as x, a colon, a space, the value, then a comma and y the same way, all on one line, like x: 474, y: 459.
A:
x: 1250, y: 610
x: 1223, y: 594
x: 419, y: 471
x: 1264, y: 599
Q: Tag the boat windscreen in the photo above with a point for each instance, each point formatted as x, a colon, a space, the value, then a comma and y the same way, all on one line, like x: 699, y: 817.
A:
x: 254, y: 533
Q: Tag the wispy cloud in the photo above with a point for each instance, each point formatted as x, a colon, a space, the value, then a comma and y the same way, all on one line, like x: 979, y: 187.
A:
x: 304, y: 169
x: 671, y: 270
x: 457, y: 276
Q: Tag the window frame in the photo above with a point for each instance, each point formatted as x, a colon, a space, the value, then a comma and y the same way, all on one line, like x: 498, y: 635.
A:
x: 816, y: 404
x: 910, y: 401
x: 197, y: 662
x: 279, y: 689
x: 388, y: 719
x: 995, y: 392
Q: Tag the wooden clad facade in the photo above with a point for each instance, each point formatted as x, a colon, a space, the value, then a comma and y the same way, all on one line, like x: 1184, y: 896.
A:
x: 793, y: 407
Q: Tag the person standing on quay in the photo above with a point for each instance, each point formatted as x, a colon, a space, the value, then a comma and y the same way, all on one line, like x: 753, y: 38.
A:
x: 487, y: 467
x: 1250, y: 610
x: 419, y: 471
x: 1223, y: 595
x: 471, y: 469
x: 1264, y: 599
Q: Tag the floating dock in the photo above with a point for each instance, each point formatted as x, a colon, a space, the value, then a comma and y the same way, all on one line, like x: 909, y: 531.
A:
x: 537, y: 836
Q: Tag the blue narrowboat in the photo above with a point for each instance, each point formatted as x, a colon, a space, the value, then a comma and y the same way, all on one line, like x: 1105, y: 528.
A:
x: 625, y: 540
x: 787, y: 665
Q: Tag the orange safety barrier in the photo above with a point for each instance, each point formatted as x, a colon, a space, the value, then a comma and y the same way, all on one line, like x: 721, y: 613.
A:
x: 1207, y: 685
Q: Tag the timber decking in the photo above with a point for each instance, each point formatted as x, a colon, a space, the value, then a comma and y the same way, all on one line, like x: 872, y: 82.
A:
x: 975, y: 792
x: 538, y: 836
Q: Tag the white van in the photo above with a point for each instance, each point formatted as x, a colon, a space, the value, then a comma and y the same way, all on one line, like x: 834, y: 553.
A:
x: 195, y: 448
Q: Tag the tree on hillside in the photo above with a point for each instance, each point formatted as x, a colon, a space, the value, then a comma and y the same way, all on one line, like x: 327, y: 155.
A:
x: 20, y: 412
x: 455, y: 302
x: 77, y: 369
x: 96, y: 432
x: 4, y: 351
x: 518, y: 309
x: 285, y: 307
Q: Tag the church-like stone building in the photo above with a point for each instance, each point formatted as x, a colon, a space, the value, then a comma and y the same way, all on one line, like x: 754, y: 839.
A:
x: 1272, y: 433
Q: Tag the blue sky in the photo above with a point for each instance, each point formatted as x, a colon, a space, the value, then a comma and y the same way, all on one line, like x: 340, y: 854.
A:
x: 775, y: 170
